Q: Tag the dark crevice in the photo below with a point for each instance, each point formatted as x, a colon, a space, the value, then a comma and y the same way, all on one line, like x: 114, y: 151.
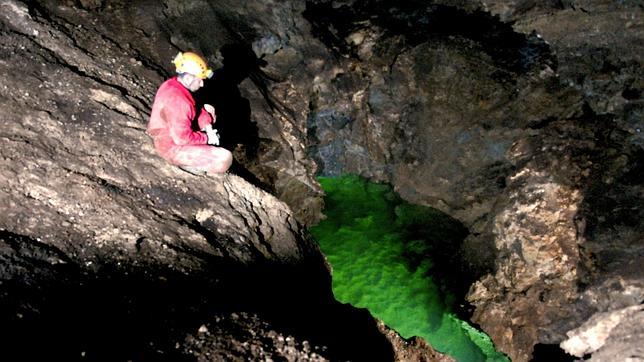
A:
x: 543, y: 123
x: 420, y: 22
x: 212, y: 238
x: 34, y: 251
x: 631, y: 93
x: 116, y: 110
x: 16, y: 138
x: 108, y: 186
x: 258, y: 231
x: 149, y: 64
x: 207, y: 257
x: 141, y: 129
x: 550, y: 353
x: 138, y: 243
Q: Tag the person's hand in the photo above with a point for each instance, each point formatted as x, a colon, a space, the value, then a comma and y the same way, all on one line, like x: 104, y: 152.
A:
x: 210, y: 109
x: 213, y: 135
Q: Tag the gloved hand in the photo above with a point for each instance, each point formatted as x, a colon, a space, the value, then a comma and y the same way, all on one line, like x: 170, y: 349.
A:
x: 213, y: 135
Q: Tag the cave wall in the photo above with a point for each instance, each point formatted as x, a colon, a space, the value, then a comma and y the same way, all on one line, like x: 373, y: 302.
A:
x: 275, y: 37
x: 598, y: 153
x: 522, y: 119
x: 109, y: 253
x: 535, y: 147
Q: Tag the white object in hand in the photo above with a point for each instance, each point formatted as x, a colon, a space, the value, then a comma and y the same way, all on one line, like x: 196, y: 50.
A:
x: 213, y: 136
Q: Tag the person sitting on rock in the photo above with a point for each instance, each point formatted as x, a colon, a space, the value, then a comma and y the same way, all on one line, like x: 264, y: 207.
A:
x: 173, y: 113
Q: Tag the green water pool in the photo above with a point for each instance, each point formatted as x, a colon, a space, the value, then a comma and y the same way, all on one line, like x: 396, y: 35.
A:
x: 375, y: 245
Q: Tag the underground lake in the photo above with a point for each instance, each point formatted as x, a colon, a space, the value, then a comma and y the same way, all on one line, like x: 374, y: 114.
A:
x: 380, y: 249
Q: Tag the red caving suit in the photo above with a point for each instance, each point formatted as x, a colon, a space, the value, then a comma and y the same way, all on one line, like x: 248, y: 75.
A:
x: 170, y: 127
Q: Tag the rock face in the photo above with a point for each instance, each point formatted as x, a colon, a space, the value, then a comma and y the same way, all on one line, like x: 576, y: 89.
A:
x: 528, y: 132
x: 109, y: 253
x: 588, y: 246
x: 260, y: 47
x: 609, y: 336
x: 521, y: 119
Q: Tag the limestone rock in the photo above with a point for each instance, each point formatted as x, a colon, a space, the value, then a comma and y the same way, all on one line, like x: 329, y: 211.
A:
x: 609, y: 336
x: 110, y: 253
x: 535, y: 148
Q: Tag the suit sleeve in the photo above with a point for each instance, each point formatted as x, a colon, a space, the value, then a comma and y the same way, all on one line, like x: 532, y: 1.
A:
x: 178, y: 116
x: 204, y: 118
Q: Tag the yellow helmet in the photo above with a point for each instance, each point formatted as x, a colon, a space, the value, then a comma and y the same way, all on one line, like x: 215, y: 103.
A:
x: 192, y: 63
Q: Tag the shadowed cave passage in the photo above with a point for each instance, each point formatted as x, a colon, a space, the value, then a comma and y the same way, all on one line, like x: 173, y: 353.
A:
x: 397, y: 260
x: 419, y: 22
x: 118, y: 312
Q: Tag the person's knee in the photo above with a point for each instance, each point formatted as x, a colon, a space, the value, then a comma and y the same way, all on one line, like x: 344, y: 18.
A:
x: 227, y: 158
x: 222, y: 160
